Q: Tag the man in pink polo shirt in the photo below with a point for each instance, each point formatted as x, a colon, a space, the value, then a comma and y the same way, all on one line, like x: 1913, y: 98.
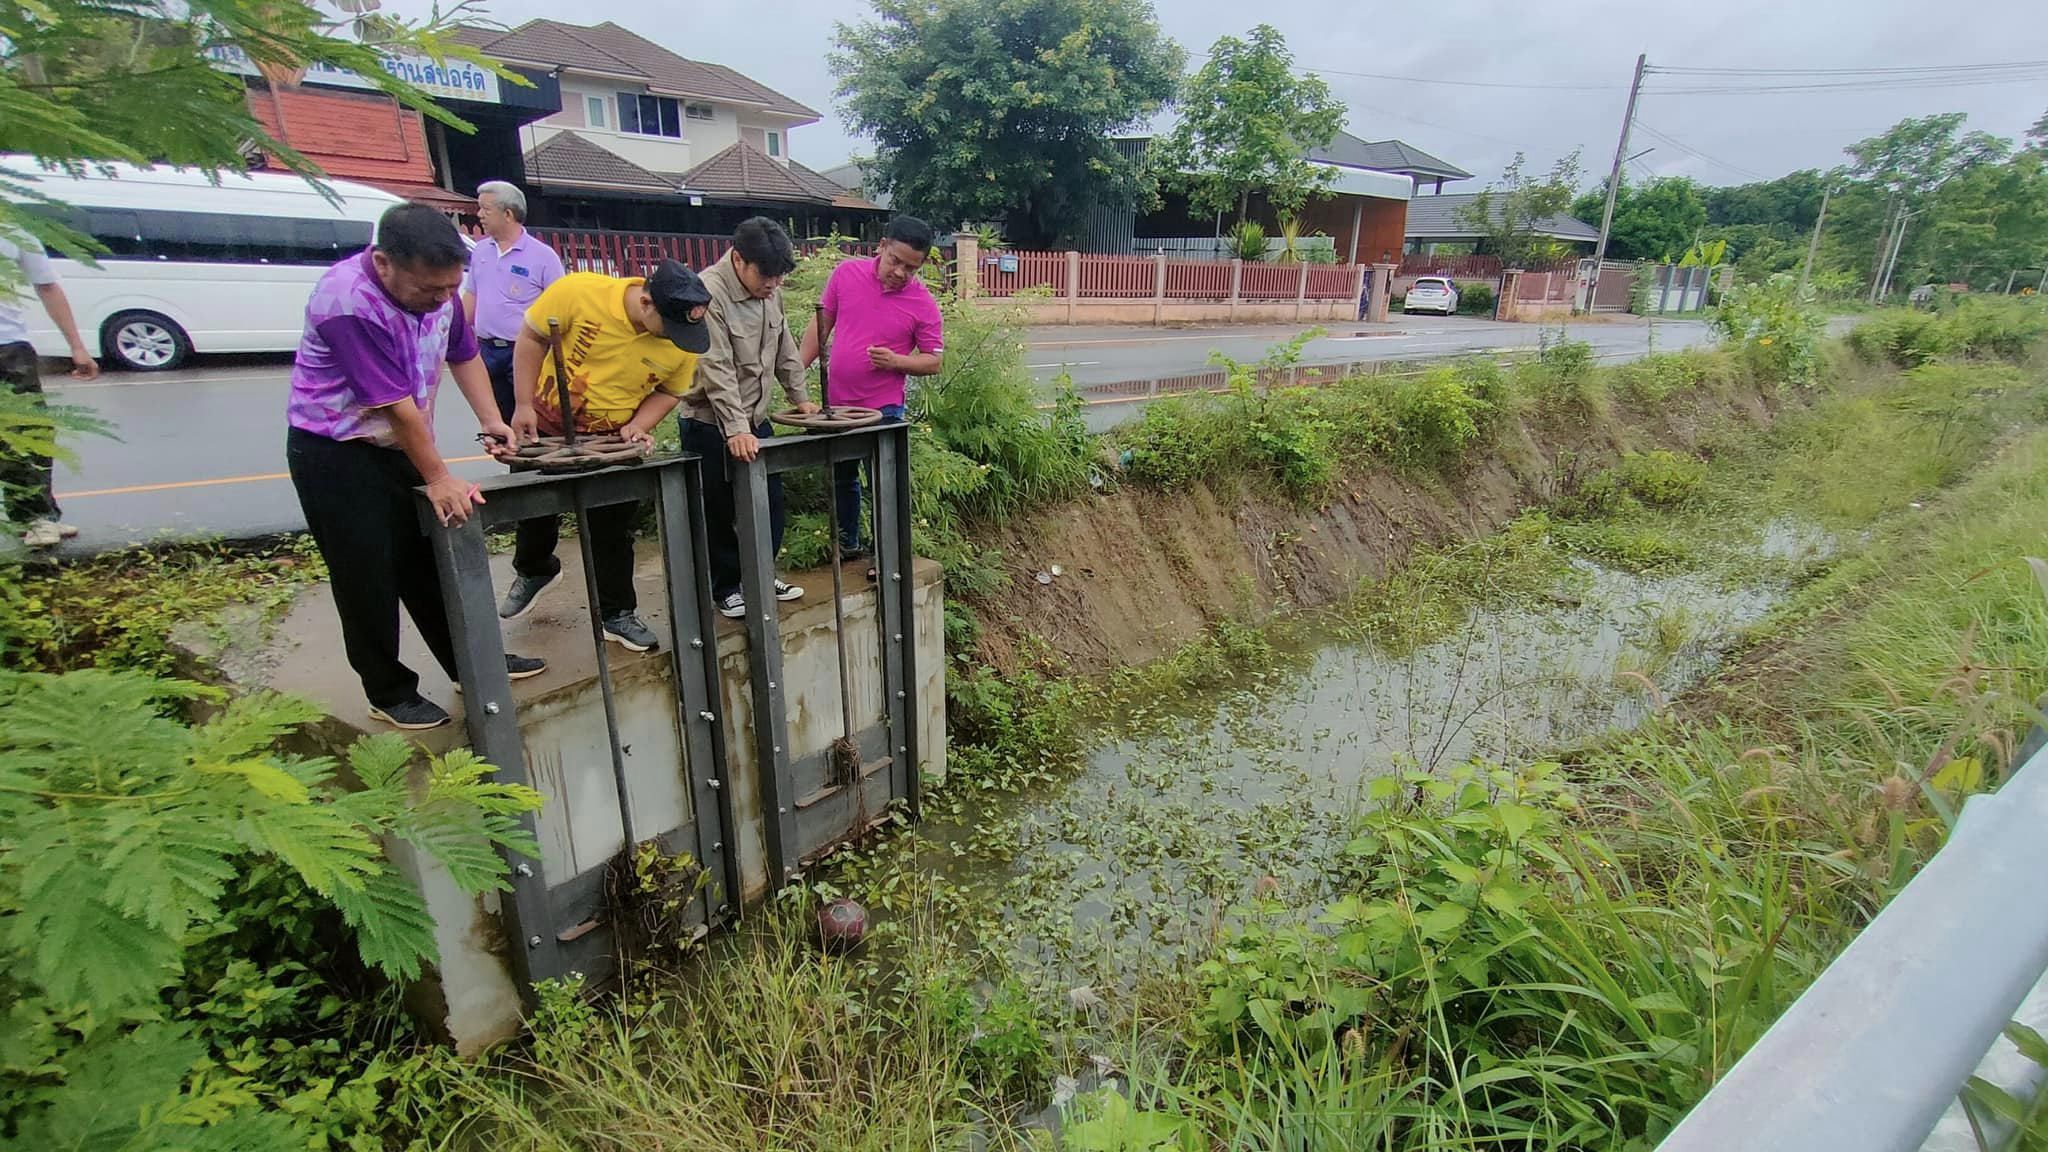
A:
x: 887, y: 327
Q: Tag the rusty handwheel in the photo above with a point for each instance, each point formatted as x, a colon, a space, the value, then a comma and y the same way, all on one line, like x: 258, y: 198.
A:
x: 589, y: 453
x: 836, y: 418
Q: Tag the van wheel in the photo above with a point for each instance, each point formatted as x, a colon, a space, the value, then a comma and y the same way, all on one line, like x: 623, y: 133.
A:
x: 144, y: 342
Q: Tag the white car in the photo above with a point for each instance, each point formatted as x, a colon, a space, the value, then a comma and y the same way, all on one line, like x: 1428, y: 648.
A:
x: 1431, y: 294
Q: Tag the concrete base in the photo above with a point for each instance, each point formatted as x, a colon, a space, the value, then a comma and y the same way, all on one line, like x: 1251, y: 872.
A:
x: 562, y: 726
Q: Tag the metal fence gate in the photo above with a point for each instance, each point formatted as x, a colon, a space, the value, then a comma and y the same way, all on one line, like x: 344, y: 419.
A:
x: 556, y: 912
x: 808, y: 808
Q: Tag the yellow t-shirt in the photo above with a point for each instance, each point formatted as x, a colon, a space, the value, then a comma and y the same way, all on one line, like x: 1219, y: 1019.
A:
x: 612, y: 364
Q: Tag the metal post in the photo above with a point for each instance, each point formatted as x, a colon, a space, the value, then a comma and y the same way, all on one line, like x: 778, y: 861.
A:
x: 463, y: 560
x: 764, y: 667
x: 1892, y: 265
x: 1813, y: 245
x: 1357, y: 223
x: 604, y: 665
x: 681, y: 504
x: 1884, y: 247
x: 896, y: 603
x: 1628, y: 120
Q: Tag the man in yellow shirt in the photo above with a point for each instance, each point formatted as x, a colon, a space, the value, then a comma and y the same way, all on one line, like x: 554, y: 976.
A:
x: 630, y: 347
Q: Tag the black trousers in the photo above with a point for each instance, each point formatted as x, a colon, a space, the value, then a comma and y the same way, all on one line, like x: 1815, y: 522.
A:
x: 26, y: 479
x: 498, y: 364
x: 360, y: 507
x: 723, y: 542
x: 611, y: 550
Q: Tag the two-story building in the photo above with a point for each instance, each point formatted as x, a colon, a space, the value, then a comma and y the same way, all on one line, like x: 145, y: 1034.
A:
x: 647, y: 140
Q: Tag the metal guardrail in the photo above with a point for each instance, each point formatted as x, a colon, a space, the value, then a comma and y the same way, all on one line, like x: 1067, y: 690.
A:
x: 1874, y: 1052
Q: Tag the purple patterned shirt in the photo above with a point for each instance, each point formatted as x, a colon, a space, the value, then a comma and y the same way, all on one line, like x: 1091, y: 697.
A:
x: 361, y: 351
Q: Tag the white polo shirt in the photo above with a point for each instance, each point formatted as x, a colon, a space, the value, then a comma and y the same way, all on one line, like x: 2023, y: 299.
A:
x: 27, y: 252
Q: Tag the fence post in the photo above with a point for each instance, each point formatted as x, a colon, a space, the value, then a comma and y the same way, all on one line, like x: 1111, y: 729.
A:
x: 966, y: 265
x: 1073, y: 282
x: 1158, y: 287
x: 1300, y: 291
x: 1357, y: 307
x: 1236, y: 283
x: 1510, y: 288
x: 1382, y: 292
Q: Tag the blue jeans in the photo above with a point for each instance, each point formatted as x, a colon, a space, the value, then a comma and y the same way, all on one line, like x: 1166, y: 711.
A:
x: 846, y: 489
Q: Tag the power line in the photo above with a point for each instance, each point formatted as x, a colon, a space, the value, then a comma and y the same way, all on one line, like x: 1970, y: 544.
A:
x: 1860, y: 85
x: 1682, y: 146
x: 1682, y: 71
x: 1519, y: 85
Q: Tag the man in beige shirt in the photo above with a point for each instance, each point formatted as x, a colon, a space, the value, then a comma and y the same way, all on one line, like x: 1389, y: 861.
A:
x: 725, y: 415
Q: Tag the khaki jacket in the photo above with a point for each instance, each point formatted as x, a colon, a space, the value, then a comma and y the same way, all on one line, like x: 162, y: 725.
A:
x: 750, y: 347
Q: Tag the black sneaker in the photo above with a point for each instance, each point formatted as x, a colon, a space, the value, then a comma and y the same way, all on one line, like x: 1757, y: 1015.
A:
x: 631, y: 633
x: 786, y: 591
x: 518, y: 668
x: 733, y: 607
x: 849, y: 553
x: 415, y: 715
x: 524, y: 591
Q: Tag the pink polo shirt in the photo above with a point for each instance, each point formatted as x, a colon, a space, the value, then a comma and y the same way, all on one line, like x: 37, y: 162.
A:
x: 905, y: 321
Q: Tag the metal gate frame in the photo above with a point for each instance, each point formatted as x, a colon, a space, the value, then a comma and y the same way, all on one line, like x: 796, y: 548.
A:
x: 801, y: 828
x: 556, y: 923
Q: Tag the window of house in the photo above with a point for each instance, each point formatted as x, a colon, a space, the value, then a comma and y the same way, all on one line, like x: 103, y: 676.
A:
x: 650, y: 115
x: 775, y: 143
x: 596, y: 105
x: 699, y: 112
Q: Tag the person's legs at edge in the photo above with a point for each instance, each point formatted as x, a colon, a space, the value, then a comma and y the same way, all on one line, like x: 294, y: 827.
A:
x: 419, y: 580
x: 721, y: 540
x: 847, y: 491
x: 341, y: 489
x: 498, y: 363
x: 30, y: 496
x: 611, y: 547
x: 776, y: 519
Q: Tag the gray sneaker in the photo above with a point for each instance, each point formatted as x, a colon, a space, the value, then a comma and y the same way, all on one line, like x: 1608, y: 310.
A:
x: 524, y: 591
x: 630, y: 632
x: 415, y: 715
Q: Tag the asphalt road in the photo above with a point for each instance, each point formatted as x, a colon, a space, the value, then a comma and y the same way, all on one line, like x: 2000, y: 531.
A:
x: 200, y: 452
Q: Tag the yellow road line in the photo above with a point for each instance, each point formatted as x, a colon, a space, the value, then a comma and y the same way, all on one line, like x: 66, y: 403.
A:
x: 252, y: 478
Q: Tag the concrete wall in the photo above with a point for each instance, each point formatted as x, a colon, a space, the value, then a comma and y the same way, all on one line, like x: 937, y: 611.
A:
x: 1086, y: 311
x: 473, y: 993
x: 701, y: 139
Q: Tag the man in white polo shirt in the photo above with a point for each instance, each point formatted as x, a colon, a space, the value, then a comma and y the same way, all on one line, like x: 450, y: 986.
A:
x: 31, y: 502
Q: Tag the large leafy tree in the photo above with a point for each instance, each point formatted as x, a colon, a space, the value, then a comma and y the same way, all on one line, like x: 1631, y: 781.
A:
x: 1507, y: 214
x: 95, y: 81
x: 1004, y: 110
x: 1247, y: 124
x: 1657, y: 220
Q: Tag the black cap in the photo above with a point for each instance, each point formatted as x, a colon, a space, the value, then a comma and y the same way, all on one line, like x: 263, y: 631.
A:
x: 676, y: 290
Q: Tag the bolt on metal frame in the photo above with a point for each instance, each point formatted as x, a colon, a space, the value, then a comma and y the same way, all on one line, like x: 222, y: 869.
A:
x: 556, y: 923
x: 805, y: 811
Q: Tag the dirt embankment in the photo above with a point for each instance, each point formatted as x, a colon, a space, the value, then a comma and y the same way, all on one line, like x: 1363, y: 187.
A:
x: 1142, y: 572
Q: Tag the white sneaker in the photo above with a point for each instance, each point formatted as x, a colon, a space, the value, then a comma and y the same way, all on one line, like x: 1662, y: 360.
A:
x: 43, y: 534
x: 733, y: 607
x: 787, y: 591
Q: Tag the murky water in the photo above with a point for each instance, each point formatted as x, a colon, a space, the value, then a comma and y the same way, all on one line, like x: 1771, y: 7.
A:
x: 1178, y: 820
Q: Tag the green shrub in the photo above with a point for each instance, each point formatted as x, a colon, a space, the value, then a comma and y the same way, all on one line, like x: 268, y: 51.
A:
x: 1905, y: 338
x: 1475, y: 299
x: 1437, y: 417
x: 1775, y: 329
x: 1660, y: 477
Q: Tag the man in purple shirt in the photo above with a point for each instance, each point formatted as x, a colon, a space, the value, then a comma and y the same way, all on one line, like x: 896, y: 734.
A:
x: 889, y: 328
x: 506, y: 275
x: 379, y: 326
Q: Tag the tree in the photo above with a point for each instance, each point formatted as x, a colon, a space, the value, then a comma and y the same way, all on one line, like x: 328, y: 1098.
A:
x: 1508, y: 212
x: 1657, y: 221
x: 1902, y: 169
x: 95, y: 81
x: 1247, y: 124
x: 985, y: 110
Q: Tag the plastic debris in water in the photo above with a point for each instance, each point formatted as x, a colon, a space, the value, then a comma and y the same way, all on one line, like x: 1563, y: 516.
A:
x: 1043, y: 577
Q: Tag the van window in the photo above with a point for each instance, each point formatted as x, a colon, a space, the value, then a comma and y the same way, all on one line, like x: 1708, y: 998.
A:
x: 216, y: 237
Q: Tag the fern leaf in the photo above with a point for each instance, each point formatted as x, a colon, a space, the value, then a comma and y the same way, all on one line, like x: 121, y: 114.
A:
x: 83, y: 950
x: 249, y: 725
x: 393, y: 932
x: 461, y: 840
x: 331, y: 854
x: 380, y: 761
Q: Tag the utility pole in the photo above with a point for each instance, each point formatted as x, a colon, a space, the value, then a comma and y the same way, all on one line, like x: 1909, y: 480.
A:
x: 1813, y: 245
x: 1884, y: 248
x: 1628, y: 121
x: 1891, y: 265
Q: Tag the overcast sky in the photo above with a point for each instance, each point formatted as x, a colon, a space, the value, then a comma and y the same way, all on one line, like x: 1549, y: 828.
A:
x: 783, y: 43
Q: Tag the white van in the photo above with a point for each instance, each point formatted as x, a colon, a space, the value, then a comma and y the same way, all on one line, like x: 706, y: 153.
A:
x: 193, y: 266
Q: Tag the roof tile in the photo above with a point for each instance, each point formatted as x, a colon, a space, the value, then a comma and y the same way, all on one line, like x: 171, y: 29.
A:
x: 607, y: 47
x: 566, y: 158
x: 1443, y: 218
x: 1348, y: 151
